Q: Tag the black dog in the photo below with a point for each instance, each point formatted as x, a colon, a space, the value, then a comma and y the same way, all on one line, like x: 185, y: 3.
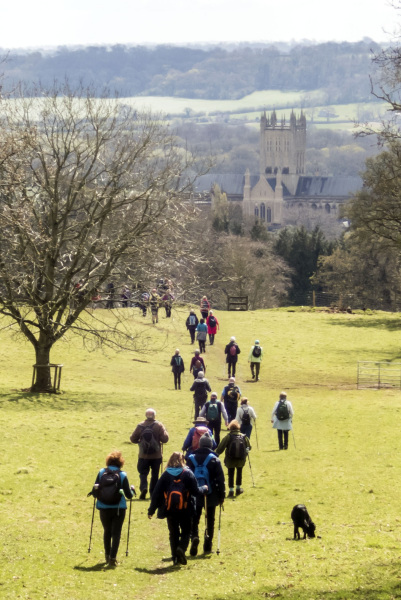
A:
x: 301, y: 518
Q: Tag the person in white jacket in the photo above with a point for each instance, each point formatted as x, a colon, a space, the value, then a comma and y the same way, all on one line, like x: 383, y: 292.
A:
x: 282, y: 420
x: 255, y: 358
x: 246, y: 417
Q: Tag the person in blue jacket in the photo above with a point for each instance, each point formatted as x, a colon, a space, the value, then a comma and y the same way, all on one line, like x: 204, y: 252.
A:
x: 112, y: 515
x: 201, y: 334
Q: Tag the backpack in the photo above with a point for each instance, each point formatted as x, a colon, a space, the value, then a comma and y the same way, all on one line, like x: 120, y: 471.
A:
x: 192, y: 320
x: 282, y: 411
x: 202, y: 472
x: 212, y: 411
x: 199, y: 431
x: 233, y: 350
x: 108, y: 491
x: 246, y: 417
x: 178, y: 360
x: 212, y: 321
x: 237, y: 447
x: 176, y: 497
x: 149, y: 444
x: 232, y: 395
x: 257, y: 351
x: 200, y: 391
x: 198, y: 365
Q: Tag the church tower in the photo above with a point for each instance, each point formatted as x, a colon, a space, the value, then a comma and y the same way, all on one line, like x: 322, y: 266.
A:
x: 282, y: 144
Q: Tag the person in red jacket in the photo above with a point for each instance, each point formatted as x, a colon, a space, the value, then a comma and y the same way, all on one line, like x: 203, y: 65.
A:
x: 212, y: 326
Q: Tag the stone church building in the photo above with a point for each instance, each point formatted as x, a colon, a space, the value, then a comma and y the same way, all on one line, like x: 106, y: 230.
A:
x: 281, y: 194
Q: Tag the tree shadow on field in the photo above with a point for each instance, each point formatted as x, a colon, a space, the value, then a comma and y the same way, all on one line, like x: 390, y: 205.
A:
x: 56, y: 402
x: 371, y: 323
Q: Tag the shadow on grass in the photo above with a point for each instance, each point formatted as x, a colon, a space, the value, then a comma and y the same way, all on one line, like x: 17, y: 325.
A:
x: 158, y: 570
x: 97, y: 567
x: 57, y: 402
x: 371, y: 323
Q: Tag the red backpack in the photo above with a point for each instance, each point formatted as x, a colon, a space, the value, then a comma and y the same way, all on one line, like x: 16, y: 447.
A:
x: 199, y: 431
x: 233, y: 350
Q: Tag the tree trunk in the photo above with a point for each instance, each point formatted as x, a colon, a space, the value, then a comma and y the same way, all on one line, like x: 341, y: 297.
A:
x: 43, y: 382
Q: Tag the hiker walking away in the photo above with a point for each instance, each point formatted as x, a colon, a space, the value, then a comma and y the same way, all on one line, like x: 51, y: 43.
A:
x: 125, y: 296
x: 231, y: 351
x: 110, y: 291
x: 237, y: 446
x: 149, y: 434
x: 201, y: 333
x: 191, y: 323
x: 213, y: 410
x: 173, y: 498
x: 255, y: 358
x: 230, y: 396
x: 212, y: 327
x: 154, y: 302
x: 144, y: 303
x: 246, y: 417
x: 197, y: 364
x: 282, y: 420
x: 204, y: 307
x: 177, y: 367
x: 208, y: 471
x: 168, y: 300
x: 191, y: 442
x: 110, y: 489
x: 200, y: 388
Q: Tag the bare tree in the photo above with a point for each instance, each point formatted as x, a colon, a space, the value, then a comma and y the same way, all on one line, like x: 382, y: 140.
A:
x: 87, y: 185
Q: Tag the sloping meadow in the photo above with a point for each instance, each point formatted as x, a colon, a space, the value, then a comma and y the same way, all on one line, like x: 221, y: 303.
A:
x: 343, y: 463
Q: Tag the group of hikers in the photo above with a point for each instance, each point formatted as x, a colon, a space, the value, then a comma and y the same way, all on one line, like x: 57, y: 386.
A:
x: 193, y: 480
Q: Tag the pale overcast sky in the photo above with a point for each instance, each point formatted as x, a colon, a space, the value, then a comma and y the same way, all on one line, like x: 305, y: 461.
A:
x: 40, y: 23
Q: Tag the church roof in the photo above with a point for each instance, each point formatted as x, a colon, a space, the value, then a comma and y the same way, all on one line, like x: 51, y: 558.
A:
x: 230, y: 183
x: 327, y: 186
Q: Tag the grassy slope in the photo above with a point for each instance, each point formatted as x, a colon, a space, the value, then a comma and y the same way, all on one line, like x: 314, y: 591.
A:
x: 345, y: 467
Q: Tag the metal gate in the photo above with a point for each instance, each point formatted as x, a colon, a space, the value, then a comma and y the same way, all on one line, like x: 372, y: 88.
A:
x: 377, y: 375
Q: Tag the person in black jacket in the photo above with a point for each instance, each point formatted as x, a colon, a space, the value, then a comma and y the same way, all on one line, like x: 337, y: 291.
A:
x: 212, y: 499
x: 191, y: 324
x: 200, y: 388
x: 231, y: 351
x: 177, y: 367
x: 173, y: 498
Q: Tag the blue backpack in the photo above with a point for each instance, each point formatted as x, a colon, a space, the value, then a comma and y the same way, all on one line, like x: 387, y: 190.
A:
x: 202, y: 472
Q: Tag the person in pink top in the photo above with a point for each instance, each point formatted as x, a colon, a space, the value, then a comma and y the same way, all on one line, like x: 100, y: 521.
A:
x: 212, y: 326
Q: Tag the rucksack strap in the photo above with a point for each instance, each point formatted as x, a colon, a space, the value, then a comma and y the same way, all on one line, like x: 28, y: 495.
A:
x: 193, y: 460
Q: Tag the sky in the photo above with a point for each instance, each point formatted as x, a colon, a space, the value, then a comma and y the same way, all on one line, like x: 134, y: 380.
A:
x: 45, y: 23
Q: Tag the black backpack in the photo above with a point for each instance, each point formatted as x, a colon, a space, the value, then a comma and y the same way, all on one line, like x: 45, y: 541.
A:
x: 176, y: 497
x: 149, y: 444
x: 212, y: 322
x: 108, y: 491
x: 257, y: 351
x: 232, y: 395
x: 237, y: 446
x: 282, y: 411
x: 246, y: 417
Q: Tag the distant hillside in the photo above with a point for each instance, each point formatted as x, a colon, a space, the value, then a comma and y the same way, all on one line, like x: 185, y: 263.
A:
x: 341, y: 70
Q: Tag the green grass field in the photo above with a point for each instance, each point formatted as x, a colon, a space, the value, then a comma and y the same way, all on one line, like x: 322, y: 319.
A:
x: 345, y: 467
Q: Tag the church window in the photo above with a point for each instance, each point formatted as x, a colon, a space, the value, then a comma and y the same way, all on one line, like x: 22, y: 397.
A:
x: 327, y: 208
x: 256, y: 211
x: 269, y: 215
x: 262, y: 211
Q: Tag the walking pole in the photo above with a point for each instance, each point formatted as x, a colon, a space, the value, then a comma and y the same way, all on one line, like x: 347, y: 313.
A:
x: 93, y: 516
x: 129, y: 524
x: 256, y: 432
x: 293, y: 439
x: 219, y: 531
x: 249, y: 460
x: 206, y: 531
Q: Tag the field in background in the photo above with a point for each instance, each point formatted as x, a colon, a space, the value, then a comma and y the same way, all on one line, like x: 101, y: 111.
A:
x: 345, y: 467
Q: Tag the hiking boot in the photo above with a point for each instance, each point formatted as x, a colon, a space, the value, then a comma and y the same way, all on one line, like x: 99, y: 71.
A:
x: 107, y: 558
x: 207, y: 546
x: 113, y: 562
x: 253, y: 376
x: 194, y: 546
x: 230, y: 494
x: 239, y: 491
x: 180, y: 554
x: 143, y: 495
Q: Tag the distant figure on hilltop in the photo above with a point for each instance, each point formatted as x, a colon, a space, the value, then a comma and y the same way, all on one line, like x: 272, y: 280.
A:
x: 204, y: 307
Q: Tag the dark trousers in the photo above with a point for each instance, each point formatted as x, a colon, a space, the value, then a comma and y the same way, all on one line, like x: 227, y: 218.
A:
x: 231, y: 368
x: 255, y: 366
x: 179, y: 526
x: 282, y: 439
x: 112, y: 520
x: 231, y: 472
x: 205, y: 314
x: 211, y: 511
x: 177, y: 380
x: 168, y: 310
x: 144, y: 466
x: 211, y: 339
x: 202, y: 346
x: 192, y: 333
x: 246, y: 430
x: 199, y: 404
x: 215, y: 428
x: 231, y: 410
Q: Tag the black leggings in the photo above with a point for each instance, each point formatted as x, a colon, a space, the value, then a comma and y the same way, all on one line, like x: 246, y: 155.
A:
x: 112, y: 520
x: 231, y: 472
x: 177, y: 380
x: 179, y: 526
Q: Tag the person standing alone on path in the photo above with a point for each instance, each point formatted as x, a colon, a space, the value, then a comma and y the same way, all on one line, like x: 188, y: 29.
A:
x: 191, y: 324
x: 246, y: 417
x: 255, y: 358
x: 282, y: 420
x: 212, y: 327
x: 177, y: 367
x: 149, y: 434
x: 231, y: 351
